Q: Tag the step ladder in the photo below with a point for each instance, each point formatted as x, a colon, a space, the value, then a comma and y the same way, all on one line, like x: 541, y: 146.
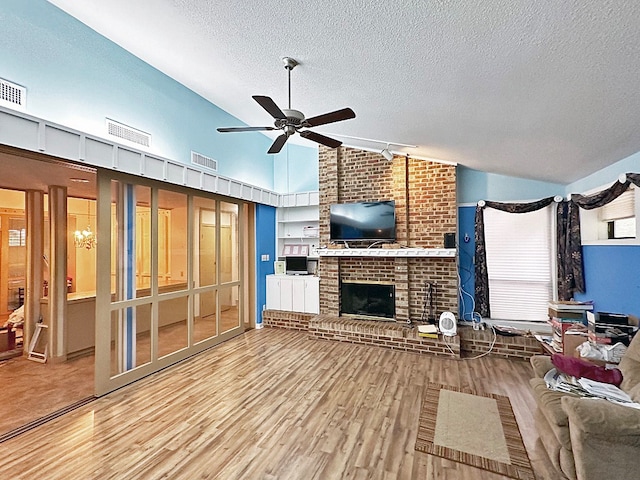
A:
x: 38, y: 356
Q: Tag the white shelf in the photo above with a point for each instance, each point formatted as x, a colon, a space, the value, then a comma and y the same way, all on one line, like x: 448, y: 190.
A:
x: 387, y: 252
x: 297, y: 215
x: 304, y: 220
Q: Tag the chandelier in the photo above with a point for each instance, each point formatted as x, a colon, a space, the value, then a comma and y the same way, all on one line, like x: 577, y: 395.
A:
x: 85, y: 238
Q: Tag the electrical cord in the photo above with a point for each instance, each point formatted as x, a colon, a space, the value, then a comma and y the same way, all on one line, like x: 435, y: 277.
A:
x: 493, y: 342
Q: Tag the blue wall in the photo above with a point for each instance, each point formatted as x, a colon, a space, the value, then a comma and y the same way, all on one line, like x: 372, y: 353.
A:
x: 76, y: 77
x: 265, y: 245
x: 474, y: 185
x: 296, y: 169
x: 612, y: 278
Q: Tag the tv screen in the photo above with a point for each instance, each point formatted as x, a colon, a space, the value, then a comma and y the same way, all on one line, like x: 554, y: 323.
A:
x: 296, y: 265
x: 363, y: 221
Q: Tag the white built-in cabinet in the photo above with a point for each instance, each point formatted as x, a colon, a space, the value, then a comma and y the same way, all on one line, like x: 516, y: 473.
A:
x: 293, y: 293
x: 298, y: 221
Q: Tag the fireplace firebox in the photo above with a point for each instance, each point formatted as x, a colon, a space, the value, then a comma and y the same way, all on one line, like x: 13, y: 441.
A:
x: 376, y: 300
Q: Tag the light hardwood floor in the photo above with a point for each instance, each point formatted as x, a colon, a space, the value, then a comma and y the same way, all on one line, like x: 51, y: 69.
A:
x: 269, y: 404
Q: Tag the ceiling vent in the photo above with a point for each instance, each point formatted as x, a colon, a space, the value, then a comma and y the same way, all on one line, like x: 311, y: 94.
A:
x: 204, y: 161
x: 12, y: 95
x: 128, y: 133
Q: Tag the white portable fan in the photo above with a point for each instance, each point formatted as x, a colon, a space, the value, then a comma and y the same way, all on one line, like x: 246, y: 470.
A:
x: 448, y: 324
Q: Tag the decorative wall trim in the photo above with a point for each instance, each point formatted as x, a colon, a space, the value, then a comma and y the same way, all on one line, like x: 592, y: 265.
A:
x: 27, y: 132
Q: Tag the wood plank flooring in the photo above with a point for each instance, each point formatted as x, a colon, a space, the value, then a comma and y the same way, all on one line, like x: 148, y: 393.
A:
x: 269, y: 404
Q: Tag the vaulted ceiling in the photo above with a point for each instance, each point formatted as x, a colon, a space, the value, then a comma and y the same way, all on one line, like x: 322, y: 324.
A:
x: 535, y: 89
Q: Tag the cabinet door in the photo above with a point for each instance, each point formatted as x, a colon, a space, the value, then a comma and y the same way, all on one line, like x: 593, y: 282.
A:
x: 286, y: 298
x: 298, y: 292
x: 312, y: 295
x: 273, y: 292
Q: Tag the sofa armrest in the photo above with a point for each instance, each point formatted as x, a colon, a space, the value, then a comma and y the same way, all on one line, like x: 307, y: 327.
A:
x: 541, y: 365
x: 603, y: 419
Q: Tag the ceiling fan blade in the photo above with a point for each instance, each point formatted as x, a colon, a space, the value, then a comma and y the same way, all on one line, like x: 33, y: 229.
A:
x: 316, y: 137
x: 278, y: 143
x: 270, y: 106
x: 337, y: 116
x: 244, y: 129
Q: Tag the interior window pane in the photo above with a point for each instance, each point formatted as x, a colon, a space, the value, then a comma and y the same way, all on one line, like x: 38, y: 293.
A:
x: 204, y: 258
x: 172, y: 238
x: 130, y: 240
x: 229, y: 263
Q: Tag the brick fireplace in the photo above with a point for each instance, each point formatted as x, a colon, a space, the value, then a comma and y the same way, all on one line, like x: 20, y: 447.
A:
x: 425, y: 198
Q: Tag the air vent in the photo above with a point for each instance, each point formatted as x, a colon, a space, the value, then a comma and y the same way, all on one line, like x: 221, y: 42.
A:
x: 204, y: 161
x: 12, y: 95
x: 128, y: 133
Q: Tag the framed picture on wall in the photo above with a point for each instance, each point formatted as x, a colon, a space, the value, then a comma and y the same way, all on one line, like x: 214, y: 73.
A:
x: 296, y: 250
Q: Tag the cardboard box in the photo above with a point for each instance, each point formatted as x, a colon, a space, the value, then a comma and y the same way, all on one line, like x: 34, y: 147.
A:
x: 7, y: 340
x: 571, y: 341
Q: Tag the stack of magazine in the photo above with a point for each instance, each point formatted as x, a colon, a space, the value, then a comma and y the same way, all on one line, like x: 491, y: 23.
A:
x: 583, y: 387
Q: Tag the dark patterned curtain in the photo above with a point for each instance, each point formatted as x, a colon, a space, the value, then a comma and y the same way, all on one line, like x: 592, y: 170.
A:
x: 481, y: 274
x: 570, y: 263
x: 569, y: 251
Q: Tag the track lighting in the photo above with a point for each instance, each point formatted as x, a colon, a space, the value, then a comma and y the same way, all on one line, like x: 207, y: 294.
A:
x: 387, y: 154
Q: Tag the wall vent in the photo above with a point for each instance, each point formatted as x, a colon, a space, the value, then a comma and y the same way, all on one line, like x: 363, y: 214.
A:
x: 128, y: 133
x: 12, y: 95
x: 204, y: 161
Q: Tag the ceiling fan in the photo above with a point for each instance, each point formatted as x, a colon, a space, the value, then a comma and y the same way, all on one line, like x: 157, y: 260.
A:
x: 292, y: 121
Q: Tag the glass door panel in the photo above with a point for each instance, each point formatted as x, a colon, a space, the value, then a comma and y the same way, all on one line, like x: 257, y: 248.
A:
x: 205, y: 321
x: 172, y: 240
x: 204, y: 259
x: 172, y: 325
x: 130, y: 338
x: 229, y: 264
x: 229, y: 308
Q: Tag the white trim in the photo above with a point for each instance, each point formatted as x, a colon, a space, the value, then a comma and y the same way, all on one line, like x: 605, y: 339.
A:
x: 31, y: 133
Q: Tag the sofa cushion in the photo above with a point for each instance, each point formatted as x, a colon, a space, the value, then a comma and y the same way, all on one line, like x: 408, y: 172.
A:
x: 549, y: 404
x: 579, y: 368
x: 630, y: 365
x: 541, y: 365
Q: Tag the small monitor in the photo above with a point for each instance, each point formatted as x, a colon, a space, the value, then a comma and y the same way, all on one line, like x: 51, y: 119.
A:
x: 296, y: 265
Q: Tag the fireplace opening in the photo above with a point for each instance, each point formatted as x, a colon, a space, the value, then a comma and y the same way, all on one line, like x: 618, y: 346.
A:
x: 376, y: 300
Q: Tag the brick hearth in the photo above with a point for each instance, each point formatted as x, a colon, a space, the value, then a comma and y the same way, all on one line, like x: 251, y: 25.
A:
x: 468, y: 342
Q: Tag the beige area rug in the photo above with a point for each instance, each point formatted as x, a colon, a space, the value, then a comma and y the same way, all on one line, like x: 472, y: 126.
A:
x: 475, y: 429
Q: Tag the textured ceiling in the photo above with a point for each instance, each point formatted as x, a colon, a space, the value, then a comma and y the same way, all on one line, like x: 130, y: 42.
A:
x: 536, y: 89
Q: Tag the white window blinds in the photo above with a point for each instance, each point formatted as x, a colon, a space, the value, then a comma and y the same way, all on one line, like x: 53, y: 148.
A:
x: 622, y: 207
x: 519, y: 263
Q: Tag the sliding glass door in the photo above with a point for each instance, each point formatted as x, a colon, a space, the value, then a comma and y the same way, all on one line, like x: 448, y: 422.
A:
x: 168, y: 276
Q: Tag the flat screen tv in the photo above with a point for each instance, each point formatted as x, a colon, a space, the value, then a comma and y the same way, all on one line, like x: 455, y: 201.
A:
x: 369, y: 221
x: 296, y: 265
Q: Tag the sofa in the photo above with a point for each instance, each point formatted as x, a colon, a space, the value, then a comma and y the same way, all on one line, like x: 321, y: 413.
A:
x: 587, y: 438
